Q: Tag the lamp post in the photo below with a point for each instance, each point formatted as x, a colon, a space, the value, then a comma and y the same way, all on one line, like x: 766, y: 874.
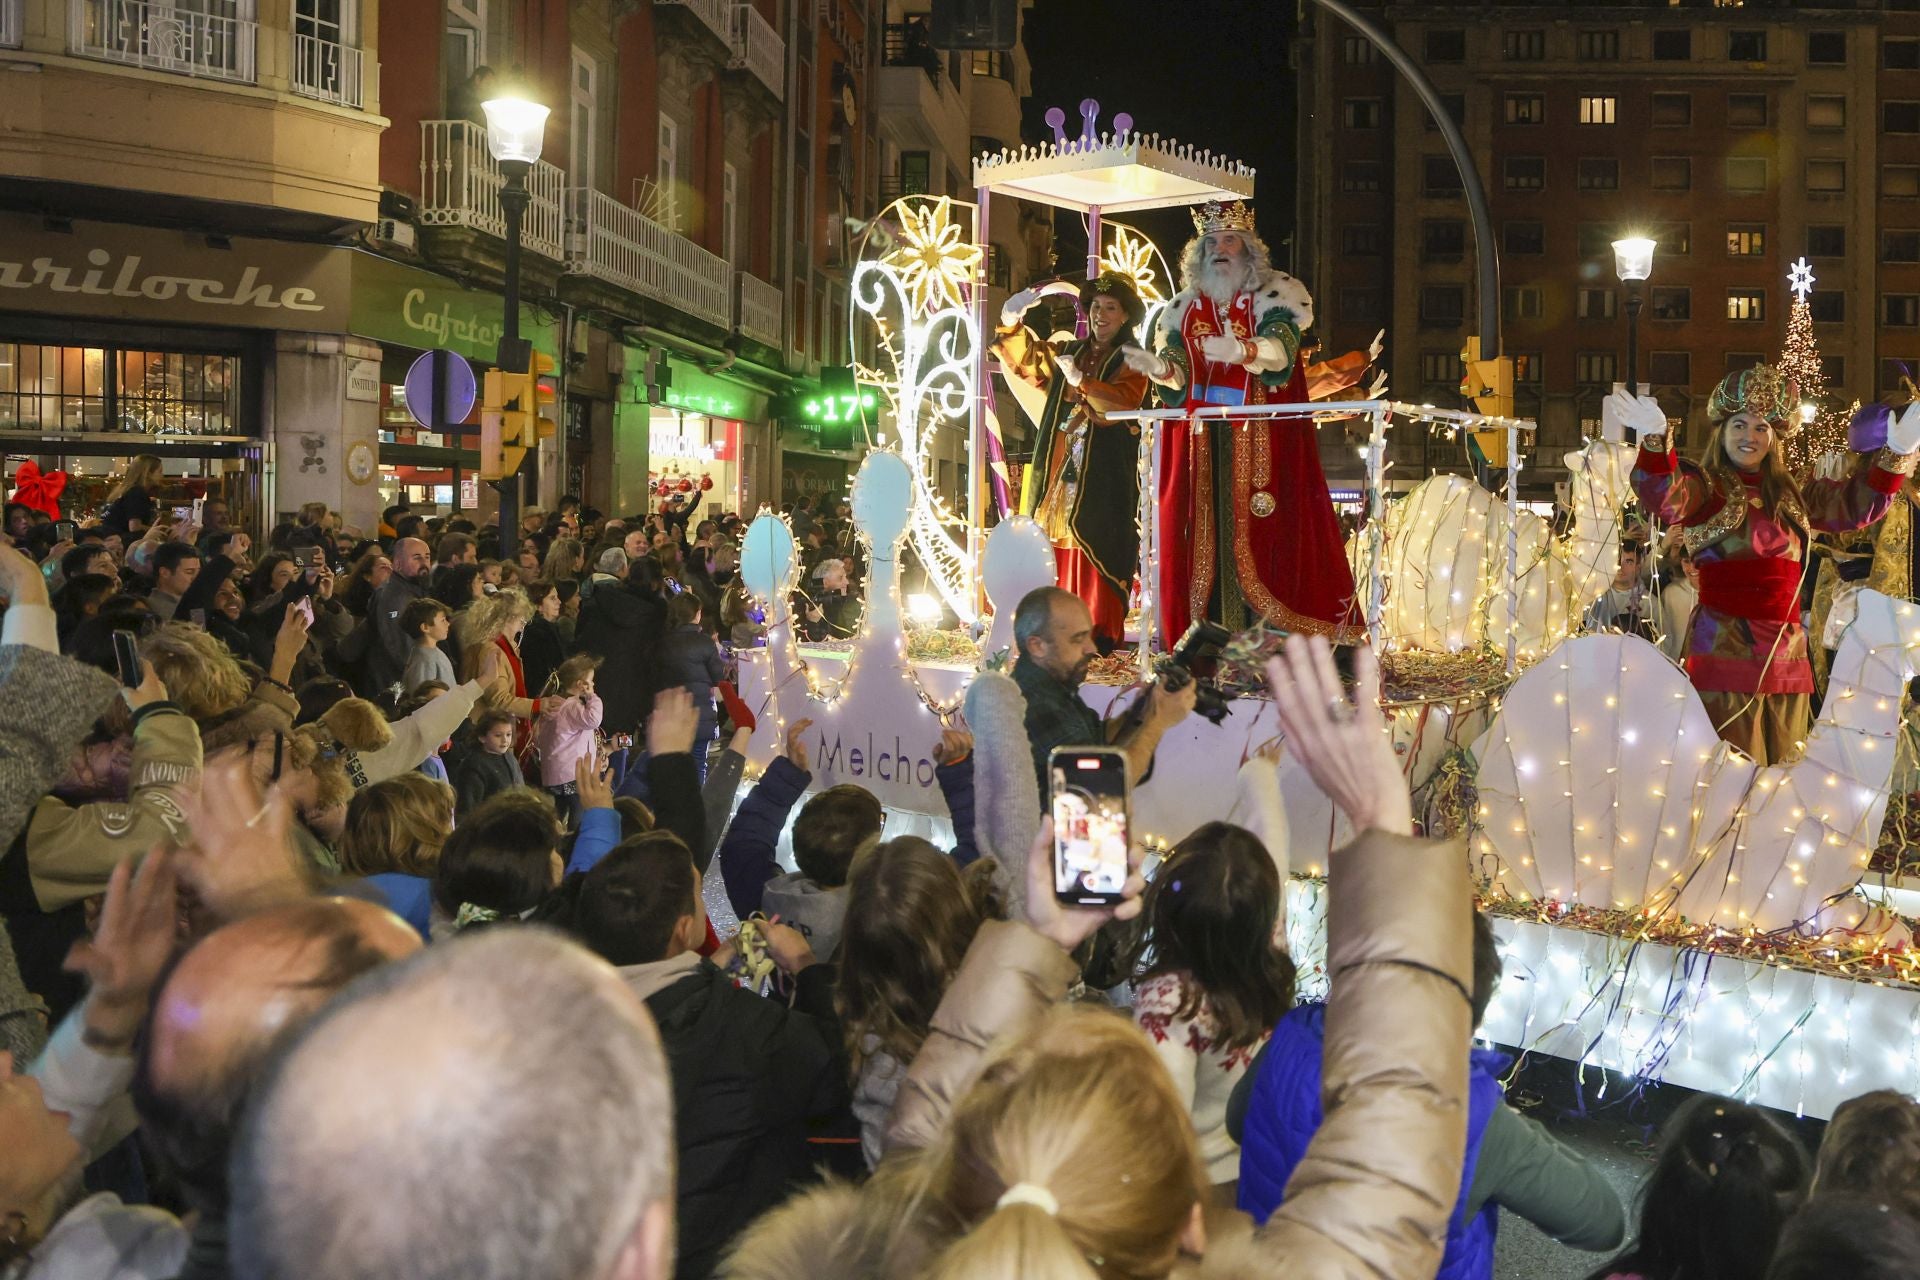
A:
x: 1633, y: 263
x: 516, y: 128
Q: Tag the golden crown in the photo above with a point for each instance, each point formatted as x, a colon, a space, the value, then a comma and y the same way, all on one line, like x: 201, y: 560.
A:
x: 1214, y: 216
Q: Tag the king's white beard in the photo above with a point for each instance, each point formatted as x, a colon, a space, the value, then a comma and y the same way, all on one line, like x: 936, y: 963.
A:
x: 1223, y: 284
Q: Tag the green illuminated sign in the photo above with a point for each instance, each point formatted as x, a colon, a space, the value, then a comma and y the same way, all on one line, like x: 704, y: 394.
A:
x: 831, y: 410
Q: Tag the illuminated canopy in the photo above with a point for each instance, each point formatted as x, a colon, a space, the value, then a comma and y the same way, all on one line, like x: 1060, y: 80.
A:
x: 1115, y: 173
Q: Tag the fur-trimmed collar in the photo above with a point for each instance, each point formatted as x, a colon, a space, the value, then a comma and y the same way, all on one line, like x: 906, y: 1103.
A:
x: 1278, y: 292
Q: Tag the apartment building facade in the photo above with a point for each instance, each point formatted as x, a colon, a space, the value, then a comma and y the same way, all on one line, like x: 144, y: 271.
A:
x: 1741, y: 137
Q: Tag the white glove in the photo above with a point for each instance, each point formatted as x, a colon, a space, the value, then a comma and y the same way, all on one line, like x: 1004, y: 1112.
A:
x: 1903, y: 433
x: 1016, y: 306
x: 1141, y: 360
x: 1070, y: 370
x: 1641, y: 415
x: 1223, y: 349
x: 1379, y: 345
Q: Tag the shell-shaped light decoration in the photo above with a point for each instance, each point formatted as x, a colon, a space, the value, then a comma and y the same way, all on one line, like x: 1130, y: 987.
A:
x: 1018, y: 558
x: 767, y: 560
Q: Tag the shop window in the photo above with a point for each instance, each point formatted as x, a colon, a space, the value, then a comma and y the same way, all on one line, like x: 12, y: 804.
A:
x: 105, y: 389
x: 53, y: 388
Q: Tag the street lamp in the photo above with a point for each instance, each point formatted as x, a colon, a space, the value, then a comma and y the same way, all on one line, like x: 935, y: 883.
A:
x: 516, y: 127
x: 1633, y: 263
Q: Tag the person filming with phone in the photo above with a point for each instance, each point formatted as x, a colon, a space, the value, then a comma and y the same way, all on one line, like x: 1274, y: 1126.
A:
x: 1053, y: 631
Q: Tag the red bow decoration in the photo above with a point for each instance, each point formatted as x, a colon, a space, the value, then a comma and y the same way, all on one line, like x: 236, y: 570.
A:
x: 41, y: 492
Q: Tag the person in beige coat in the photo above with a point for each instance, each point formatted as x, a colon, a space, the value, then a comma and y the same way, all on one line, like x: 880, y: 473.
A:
x: 1000, y: 1164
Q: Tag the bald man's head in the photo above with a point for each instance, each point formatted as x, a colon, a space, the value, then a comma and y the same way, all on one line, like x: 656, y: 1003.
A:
x: 227, y: 1003
x: 494, y: 1108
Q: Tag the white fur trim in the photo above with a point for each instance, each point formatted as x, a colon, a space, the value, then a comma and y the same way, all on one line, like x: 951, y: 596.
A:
x: 1280, y: 290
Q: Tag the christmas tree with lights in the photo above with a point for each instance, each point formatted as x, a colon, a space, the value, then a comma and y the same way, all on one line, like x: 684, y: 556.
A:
x: 1826, y: 431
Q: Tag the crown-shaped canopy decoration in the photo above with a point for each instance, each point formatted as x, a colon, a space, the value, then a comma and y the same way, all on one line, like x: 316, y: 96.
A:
x: 1114, y: 171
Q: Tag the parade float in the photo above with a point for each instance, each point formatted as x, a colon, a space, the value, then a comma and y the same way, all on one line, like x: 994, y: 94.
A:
x: 1669, y: 911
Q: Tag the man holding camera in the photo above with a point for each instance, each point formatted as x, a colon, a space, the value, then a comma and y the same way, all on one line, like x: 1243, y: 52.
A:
x: 1053, y: 631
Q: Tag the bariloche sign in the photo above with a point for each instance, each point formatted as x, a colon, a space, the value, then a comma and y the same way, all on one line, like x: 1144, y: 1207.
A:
x: 105, y: 270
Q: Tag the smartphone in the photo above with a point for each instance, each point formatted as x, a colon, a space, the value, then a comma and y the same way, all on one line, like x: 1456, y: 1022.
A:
x: 182, y: 515
x: 199, y: 617
x: 1092, y: 824
x: 304, y: 605
x: 126, y: 657
x: 65, y: 530
x: 199, y: 504
x: 307, y: 557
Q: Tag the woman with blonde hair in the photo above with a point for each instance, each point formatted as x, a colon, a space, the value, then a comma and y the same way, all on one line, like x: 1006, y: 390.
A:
x: 566, y: 561
x: 224, y: 698
x: 490, y: 630
x: 393, y: 835
x: 131, y: 503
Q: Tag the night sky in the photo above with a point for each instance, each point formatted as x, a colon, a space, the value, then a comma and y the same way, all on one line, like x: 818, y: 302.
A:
x: 1208, y: 72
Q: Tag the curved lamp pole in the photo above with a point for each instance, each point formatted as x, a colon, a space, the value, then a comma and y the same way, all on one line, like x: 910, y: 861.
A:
x: 1487, y: 250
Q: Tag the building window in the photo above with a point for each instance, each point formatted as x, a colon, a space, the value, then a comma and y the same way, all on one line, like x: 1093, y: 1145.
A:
x: 1523, y: 46
x: 1523, y: 238
x: 1900, y: 53
x: 1828, y: 306
x: 1360, y: 240
x: 1746, y: 46
x: 1360, y: 113
x: 1597, y: 173
x: 1825, y: 174
x: 1439, y: 176
x: 1675, y: 44
x: 1597, y: 110
x: 1826, y: 242
x: 1443, y: 240
x: 1900, y: 181
x: 1670, y: 368
x: 1594, y: 368
x: 111, y: 389
x: 1447, y: 46
x: 1456, y: 107
x: 667, y: 164
x: 1900, y: 246
x: 1826, y: 111
x: 1672, y: 173
x: 1672, y: 302
x: 1747, y: 173
x: 1523, y: 173
x: 729, y: 213
x: 1358, y: 51
x: 1526, y: 368
x: 1360, y: 306
x: 1360, y: 175
x: 1900, y: 117
x: 1523, y: 302
x: 990, y: 62
x: 1440, y: 366
x: 1834, y: 369
x: 1593, y: 240
x: 1827, y: 48
x: 1442, y: 306
x: 1746, y: 304
x: 1747, y: 109
x: 1674, y: 238
x: 1599, y: 46
x: 1900, y: 310
x: 1594, y: 304
x: 1526, y: 108
x: 1672, y: 110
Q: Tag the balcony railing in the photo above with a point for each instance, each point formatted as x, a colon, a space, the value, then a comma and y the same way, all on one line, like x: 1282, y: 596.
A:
x: 460, y: 186
x: 908, y: 45
x: 326, y: 69
x: 611, y: 242
x: 895, y: 185
x: 760, y: 308
x: 759, y: 49
x: 10, y: 24
x: 712, y: 14
x: 164, y: 38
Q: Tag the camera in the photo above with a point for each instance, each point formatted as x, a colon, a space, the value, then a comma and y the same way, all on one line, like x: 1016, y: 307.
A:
x: 1199, y: 647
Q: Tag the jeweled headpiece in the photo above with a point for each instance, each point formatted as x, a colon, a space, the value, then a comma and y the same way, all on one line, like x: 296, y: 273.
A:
x: 1117, y: 287
x: 1762, y: 390
x: 1213, y: 216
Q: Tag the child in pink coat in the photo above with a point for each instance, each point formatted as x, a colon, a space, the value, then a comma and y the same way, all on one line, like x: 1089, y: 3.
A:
x: 566, y: 730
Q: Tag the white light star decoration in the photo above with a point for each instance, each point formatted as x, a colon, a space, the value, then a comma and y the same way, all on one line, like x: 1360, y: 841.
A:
x: 1800, y: 279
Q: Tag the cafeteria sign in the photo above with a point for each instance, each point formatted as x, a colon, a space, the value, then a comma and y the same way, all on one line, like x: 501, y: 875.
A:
x: 396, y: 303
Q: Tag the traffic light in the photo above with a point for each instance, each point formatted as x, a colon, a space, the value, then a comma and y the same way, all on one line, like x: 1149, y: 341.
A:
x: 1489, y: 384
x: 517, y: 412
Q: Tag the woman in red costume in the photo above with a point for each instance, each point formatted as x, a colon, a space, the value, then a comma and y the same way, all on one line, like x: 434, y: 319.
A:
x: 1747, y: 522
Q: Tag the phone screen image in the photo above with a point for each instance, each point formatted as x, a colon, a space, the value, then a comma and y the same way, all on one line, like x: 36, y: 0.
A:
x: 1090, y: 836
x: 183, y: 514
x: 64, y: 530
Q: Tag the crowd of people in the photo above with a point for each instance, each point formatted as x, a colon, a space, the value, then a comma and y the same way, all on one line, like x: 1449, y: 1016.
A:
x: 381, y: 908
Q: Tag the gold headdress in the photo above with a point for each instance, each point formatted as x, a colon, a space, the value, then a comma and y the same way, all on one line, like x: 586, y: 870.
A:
x: 1214, y: 216
x: 1761, y: 390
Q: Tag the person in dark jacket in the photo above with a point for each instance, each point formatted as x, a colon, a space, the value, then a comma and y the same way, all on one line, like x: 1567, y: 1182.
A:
x: 131, y: 506
x: 387, y: 655
x: 621, y: 623
x: 489, y: 770
x: 542, y: 649
x: 689, y: 659
x: 750, y: 1074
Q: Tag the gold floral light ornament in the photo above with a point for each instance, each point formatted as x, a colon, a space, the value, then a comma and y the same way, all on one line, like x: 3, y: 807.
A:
x: 933, y: 259
x: 1131, y: 257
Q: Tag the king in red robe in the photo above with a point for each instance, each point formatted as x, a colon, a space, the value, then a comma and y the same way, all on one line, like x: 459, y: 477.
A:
x: 1246, y: 527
